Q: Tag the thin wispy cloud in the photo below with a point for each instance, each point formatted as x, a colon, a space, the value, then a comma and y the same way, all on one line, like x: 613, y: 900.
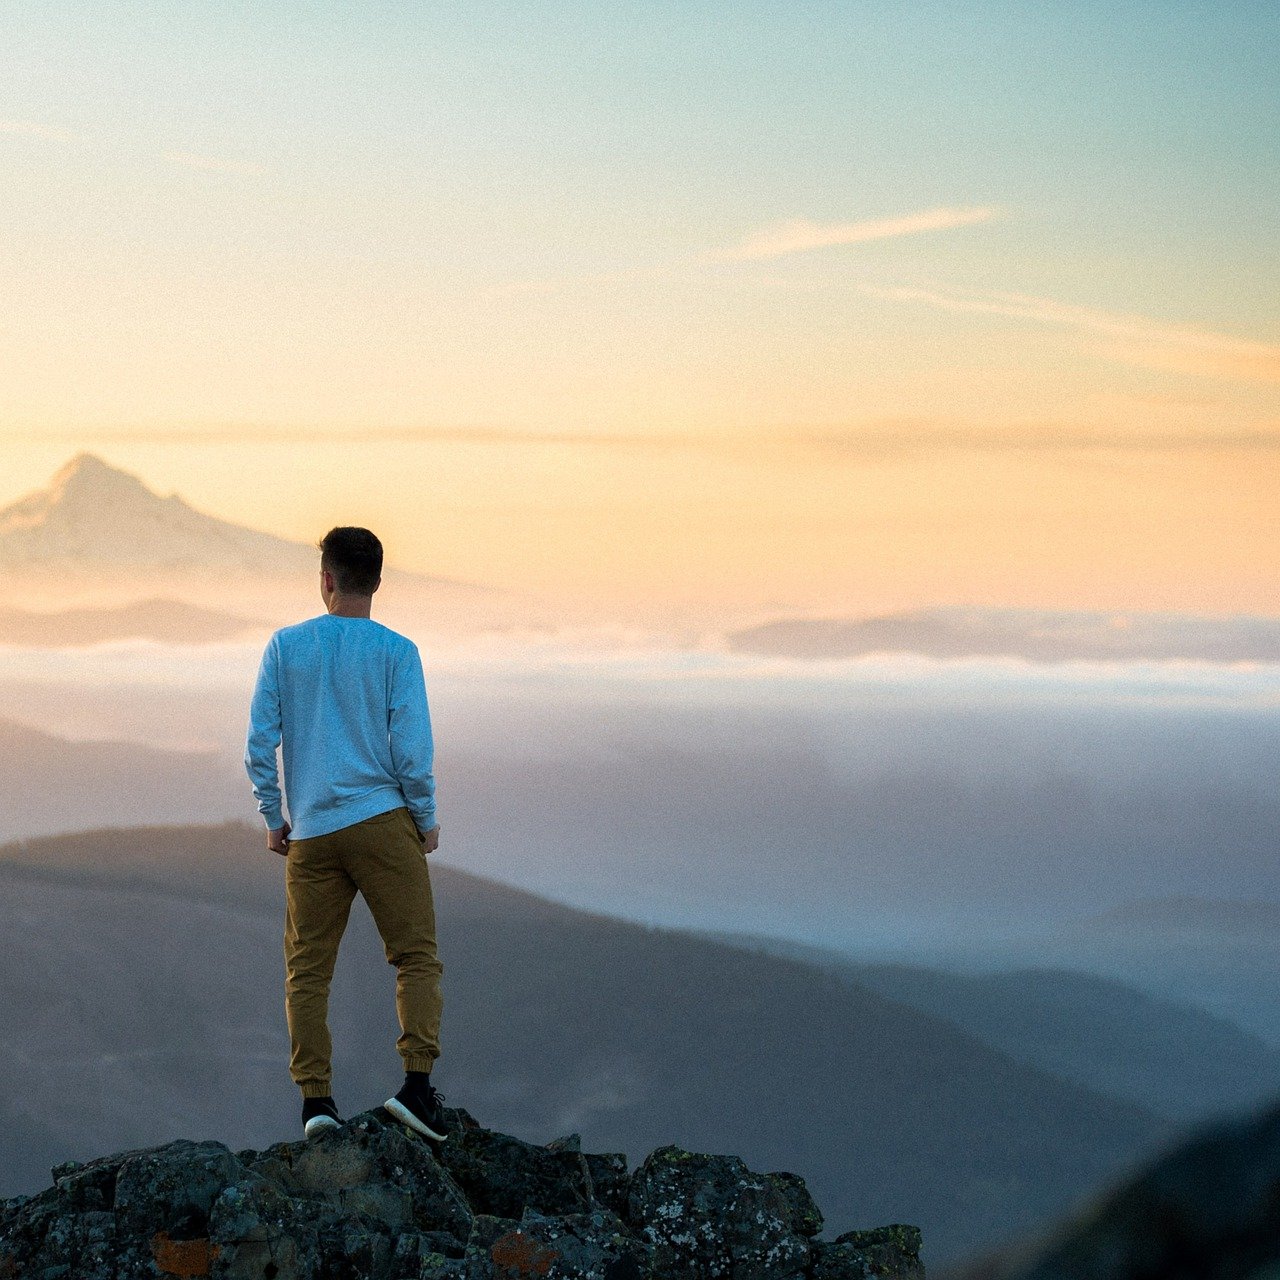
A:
x: 1131, y: 339
x: 932, y: 437
x: 794, y: 236
x: 30, y: 129
x: 215, y: 164
x: 800, y: 235
x: 188, y: 159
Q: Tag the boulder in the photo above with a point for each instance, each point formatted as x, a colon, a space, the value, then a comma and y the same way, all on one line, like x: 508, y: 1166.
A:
x: 710, y: 1216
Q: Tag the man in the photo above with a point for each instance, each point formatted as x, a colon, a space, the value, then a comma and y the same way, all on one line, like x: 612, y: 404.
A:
x: 348, y: 698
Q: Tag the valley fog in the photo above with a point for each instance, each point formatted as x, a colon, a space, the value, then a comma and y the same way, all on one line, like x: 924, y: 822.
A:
x: 888, y: 802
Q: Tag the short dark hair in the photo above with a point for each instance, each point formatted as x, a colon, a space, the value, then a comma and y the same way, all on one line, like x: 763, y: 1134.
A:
x: 354, y: 557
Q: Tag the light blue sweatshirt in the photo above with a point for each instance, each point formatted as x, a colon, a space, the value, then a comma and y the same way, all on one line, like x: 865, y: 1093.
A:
x: 348, y: 698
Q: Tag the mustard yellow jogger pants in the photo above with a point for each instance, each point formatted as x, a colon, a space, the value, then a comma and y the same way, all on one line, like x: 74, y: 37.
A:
x: 382, y: 858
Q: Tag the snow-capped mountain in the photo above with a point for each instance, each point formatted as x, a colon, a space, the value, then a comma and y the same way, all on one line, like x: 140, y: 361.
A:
x: 97, y: 538
x: 94, y: 515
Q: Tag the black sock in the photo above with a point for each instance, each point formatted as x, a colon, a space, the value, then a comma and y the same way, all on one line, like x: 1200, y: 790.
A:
x: 418, y: 1079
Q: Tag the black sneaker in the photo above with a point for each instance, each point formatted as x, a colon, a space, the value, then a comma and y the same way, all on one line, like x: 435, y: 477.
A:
x: 419, y: 1106
x: 319, y: 1114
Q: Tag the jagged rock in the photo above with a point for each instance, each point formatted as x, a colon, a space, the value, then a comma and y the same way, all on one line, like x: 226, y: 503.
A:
x: 173, y: 1187
x: 610, y: 1180
x: 806, y: 1217
x: 883, y: 1251
x: 501, y: 1174
x: 89, y: 1186
x: 342, y: 1165
x: 605, y: 1173
x: 587, y: 1245
x: 426, y: 1253
x: 370, y: 1200
x: 707, y: 1215
x: 252, y: 1227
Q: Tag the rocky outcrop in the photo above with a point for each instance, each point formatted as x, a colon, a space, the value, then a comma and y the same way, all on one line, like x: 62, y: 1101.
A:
x: 372, y: 1199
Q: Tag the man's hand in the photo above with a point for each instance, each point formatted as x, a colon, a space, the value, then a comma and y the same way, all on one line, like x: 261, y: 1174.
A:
x: 430, y: 839
x: 278, y: 840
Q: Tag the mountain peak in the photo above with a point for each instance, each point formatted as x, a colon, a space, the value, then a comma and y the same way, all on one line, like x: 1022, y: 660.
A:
x: 93, y: 516
x: 90, y: 478
x: 85, y: 462
x: 94, y: 519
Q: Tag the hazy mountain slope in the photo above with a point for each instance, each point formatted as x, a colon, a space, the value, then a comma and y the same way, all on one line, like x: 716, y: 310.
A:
x: 1221, y: 955
x: 876, y: 1103
x: 1192, y: 918
x: 166, y: 621
x: 54, y: 784
x: 1170, y: 1055
x: 144, y: 974
x: 1173, y: 1058
x: 1038, y: 635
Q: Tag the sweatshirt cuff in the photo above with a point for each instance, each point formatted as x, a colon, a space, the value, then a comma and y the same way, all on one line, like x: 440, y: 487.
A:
x: 274, y: 819
x: 426, y: 823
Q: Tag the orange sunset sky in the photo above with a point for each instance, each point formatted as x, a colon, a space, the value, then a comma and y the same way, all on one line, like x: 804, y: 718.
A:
x: 814, y: 307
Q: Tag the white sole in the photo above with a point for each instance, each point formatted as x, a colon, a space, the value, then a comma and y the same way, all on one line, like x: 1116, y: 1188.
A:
x: 405, y: 1116
x: 317, y: 1123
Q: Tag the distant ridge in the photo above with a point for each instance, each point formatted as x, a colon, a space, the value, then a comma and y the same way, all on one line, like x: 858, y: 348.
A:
x: 168, y: 621
x: 1035, y: 635
x: 1169, y: 1055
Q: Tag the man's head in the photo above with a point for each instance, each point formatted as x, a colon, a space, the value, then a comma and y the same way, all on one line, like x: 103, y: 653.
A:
x: 350, y: 562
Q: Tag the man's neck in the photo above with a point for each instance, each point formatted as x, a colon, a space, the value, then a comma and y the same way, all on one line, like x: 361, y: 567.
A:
x: 350, y: 606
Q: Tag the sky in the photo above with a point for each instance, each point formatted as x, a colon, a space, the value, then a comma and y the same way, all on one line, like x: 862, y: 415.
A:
x: 803, y: 306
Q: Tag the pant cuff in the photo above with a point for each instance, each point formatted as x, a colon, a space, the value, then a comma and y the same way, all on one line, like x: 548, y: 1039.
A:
x: 316, y: 1088
x: 419, y: 1062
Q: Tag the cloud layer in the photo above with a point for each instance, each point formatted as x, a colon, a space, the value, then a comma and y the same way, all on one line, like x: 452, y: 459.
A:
x: 1131, y: 339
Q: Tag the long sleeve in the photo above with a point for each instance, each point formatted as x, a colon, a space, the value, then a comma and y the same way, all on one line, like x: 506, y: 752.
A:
x: 263, y: 737
x: 409, y: 735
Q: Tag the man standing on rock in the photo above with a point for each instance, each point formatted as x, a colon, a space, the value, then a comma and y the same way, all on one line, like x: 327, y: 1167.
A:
x: 348, y: 698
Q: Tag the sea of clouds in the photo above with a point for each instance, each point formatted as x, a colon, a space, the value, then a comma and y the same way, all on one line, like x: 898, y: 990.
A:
x: 844, y: 801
